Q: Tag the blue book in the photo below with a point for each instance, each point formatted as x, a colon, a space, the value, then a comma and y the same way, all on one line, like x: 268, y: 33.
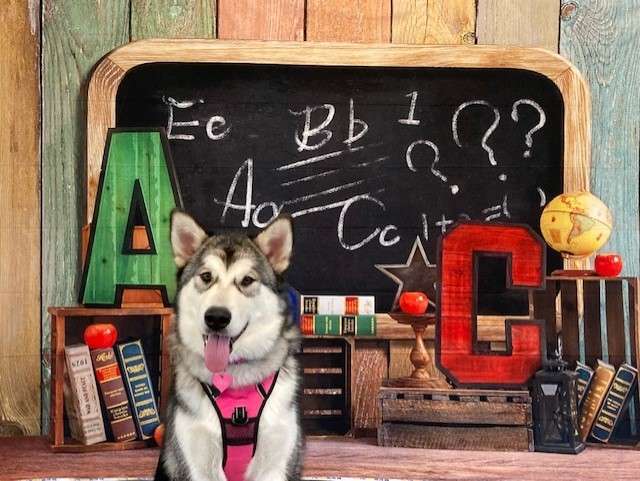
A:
x: 135, y: 375
x: 614, y: 402
x: 585, y: 374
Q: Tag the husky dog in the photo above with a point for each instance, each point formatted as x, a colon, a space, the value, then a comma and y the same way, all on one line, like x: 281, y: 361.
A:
x: 233, y: 410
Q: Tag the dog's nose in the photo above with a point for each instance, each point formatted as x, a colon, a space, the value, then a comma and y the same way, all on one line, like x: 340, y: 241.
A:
x: 217, y: 318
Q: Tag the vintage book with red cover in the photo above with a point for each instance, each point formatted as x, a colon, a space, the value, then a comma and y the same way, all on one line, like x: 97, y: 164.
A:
x: 114, y: 396
x: 81, y: 396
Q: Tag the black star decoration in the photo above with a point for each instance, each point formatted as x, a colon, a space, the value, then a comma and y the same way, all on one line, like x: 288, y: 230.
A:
x: 418, y: 274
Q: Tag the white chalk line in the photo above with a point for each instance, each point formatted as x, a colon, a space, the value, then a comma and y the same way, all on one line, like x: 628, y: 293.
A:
x: 309, y: 177
x: 328, y: 155
x: 323, y: 192
x: 374, y: 161
x: 333, y: 205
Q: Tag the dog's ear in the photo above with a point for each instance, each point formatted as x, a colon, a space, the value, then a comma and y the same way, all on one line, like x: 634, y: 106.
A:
x: 186, y: 236
x: 276, y: 242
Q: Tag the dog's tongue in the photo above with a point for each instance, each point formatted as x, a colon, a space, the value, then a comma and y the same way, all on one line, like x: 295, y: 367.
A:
x: 216, y: 353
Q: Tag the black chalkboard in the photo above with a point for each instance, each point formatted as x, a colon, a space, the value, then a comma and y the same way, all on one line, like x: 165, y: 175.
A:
x: 220, y: 115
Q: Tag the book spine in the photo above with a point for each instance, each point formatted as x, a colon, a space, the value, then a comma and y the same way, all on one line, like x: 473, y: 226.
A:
x: 348, y: 325
x: 139, y: 387
x: 585, y: 374
x: 306, y: 324
x: 366, y: 325
x: 614, y: 403
x: 593, y: 400
x: 81, y: 397
x: 338, y: 305
x: 326, y: 325
x: 114, y: 396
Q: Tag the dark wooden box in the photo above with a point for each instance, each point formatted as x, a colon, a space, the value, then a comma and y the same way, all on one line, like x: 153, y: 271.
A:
x: 150, y: 324
x: 596, y: 318
x: 479, y: 420
x: 326, y: 399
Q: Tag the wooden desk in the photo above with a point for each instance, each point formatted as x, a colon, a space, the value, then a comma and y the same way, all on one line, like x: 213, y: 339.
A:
x: 360, y: 459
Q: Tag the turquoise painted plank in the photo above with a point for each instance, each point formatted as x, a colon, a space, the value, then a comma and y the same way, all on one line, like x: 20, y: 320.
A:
x: 602, y: 38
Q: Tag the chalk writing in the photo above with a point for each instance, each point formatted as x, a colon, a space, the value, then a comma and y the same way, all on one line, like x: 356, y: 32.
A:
x: 314, y: 135
x: 542, y: 120
x: 185, y: 104
x: 410, y: 120
x: 488, y: 132
x: 302, y: 139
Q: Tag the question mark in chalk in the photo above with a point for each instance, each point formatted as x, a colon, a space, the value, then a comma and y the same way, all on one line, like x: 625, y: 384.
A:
x: 488, y: 132
x: 436, y: 159
x: 528, y: 138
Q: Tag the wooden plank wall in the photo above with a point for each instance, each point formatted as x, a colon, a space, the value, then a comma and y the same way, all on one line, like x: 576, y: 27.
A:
x: 600, y: 36
x: 20, y: 218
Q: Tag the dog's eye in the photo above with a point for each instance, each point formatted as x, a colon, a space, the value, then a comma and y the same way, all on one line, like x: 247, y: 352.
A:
x: 247, y: 281
x: 206, y: 277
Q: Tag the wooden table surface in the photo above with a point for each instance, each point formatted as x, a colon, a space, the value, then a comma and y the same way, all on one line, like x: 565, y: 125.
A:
x: 30, y: 458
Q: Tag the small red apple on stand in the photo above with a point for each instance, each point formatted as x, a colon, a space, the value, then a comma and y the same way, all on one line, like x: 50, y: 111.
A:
x: 414, y: 303
x: 608, y: 264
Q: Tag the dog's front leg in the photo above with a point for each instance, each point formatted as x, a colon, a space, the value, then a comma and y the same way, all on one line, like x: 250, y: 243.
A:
x: 200, y: 448
x: 278, y: 440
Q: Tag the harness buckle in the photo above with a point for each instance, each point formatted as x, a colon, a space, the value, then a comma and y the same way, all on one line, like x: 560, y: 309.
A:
x: 239, y: 416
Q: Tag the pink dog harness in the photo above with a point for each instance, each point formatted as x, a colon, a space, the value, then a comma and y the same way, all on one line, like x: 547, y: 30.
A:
x: 239, y: 411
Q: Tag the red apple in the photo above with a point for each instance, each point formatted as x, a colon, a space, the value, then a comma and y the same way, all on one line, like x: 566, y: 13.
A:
x: 608, y: 264
x: 158, y: 435
x: 100, y: 336
x: 415, y: 303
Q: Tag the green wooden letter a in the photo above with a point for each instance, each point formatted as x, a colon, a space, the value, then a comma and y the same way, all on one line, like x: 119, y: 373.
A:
x: 137, y: 188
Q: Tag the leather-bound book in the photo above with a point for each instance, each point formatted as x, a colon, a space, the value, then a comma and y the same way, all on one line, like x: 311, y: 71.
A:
x: 81, y: 396
x: 139, y: 387
x: 602, y: 379
x: 114, y: 396
x: 614, y: 403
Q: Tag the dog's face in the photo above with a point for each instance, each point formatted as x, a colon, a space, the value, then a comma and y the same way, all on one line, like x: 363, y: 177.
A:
x: 228, y: 307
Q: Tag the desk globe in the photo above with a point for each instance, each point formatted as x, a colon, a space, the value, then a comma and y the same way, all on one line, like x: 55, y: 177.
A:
x: 576, y: 224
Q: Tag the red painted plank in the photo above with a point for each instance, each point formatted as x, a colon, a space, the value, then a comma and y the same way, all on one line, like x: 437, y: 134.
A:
x: 352, y: 21
x: 261, y: 19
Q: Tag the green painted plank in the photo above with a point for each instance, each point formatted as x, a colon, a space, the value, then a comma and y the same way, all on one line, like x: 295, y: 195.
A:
x: 75, y: 35
x: 602, y: 38
x: 173, y: 19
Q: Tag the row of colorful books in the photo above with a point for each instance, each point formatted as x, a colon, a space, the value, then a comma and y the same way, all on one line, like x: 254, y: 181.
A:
x: 603, y: 394
x: 125, y: 406
x: 338, y: 315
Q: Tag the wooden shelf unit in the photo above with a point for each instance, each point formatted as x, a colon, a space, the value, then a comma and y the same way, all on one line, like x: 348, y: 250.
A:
x: 63, y: 332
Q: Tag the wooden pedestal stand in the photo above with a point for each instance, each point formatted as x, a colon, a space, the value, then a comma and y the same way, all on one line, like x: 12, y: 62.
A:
x: 420, y: 377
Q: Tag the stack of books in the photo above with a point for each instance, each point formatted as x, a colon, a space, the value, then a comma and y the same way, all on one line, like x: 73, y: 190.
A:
x: 602, y: 396
x: 338, y: 315
x: 108, y: 393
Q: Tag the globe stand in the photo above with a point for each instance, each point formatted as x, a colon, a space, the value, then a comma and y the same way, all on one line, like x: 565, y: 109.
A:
x: 574, y: 261
x: 574, y: 273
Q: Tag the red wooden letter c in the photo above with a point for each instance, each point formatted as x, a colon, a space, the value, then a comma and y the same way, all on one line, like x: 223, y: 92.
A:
x: 456, y: 334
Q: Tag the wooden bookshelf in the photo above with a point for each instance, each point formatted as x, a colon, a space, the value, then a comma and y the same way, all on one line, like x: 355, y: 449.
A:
x: 67, y: 325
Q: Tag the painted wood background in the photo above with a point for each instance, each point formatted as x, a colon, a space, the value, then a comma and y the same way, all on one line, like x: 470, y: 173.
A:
x: 48, y: 48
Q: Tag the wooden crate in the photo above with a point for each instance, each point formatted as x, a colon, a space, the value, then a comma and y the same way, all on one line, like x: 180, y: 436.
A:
x: 326, y: 399
x: 469, y: 419
x: 68, y: 323
x: 597, y: 318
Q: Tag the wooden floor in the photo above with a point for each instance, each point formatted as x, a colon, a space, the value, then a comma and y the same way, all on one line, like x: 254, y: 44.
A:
x: 29, y: 458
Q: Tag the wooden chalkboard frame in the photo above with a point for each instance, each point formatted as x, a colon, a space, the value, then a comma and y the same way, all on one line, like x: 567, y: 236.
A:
x: 106, y: 78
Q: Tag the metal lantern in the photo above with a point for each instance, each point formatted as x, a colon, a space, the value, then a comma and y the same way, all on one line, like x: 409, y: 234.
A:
x: 555, y: 409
